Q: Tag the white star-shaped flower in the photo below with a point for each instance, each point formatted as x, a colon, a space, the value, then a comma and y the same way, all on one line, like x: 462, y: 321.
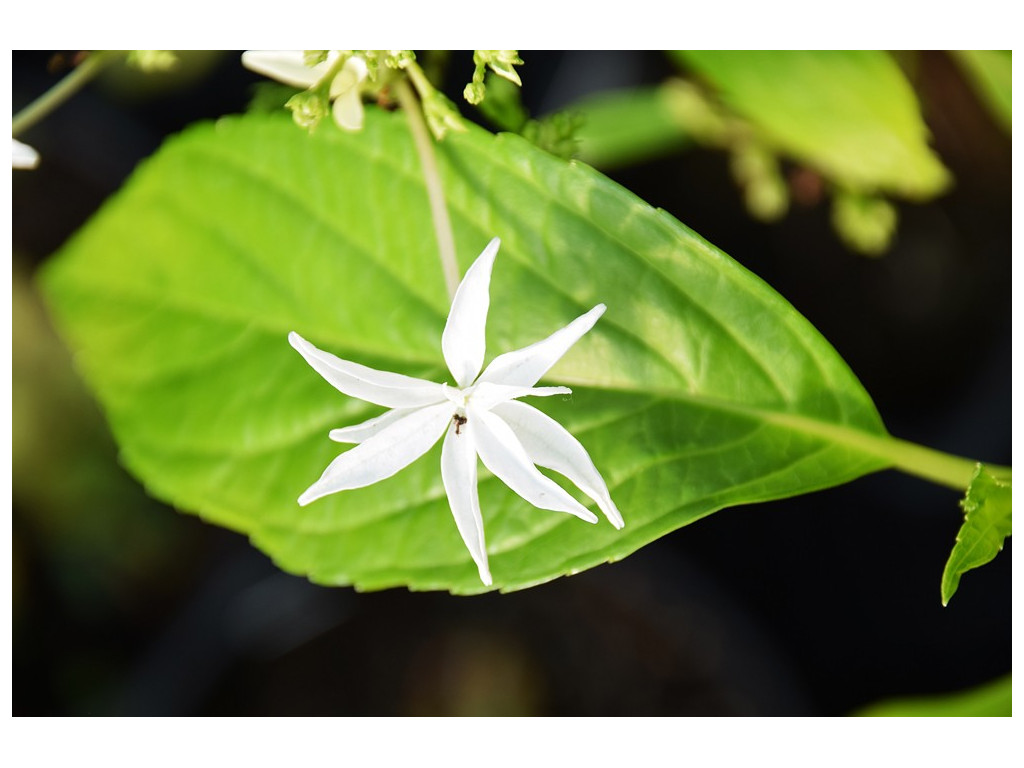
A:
x: 23, y: 156
x: 479, y: 416
x: 290, y: 67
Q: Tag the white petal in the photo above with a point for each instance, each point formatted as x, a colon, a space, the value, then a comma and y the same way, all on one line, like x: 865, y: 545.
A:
x: 348, y: 111
x: 550, y: 445
x: 287, y: 67
x: 357, y: 433
x: 352, y: 74
x: 389, y: 451
x: 458, y: 473
x: 463, y: 339
x: 381, y: 387
x: 524, y: 367
x: 503, y: 454
x: 23, y: 156
x: 486, y: 395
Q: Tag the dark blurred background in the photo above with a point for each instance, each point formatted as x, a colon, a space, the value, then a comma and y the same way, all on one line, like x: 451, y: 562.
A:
x: 813, y: 605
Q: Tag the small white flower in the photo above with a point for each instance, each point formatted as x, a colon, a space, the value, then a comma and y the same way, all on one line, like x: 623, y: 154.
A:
x: 479, y: 416
x: 290, y: 67
x: 23, y: 156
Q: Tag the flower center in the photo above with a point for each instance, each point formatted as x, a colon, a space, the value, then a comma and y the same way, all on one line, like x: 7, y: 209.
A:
x: 459, y: 398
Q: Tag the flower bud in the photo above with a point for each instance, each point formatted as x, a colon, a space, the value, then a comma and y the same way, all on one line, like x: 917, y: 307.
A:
x: 474, y: 92
x: 308, y: 108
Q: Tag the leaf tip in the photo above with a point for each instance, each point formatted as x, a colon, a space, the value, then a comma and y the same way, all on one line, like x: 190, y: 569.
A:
x: 987, y: 522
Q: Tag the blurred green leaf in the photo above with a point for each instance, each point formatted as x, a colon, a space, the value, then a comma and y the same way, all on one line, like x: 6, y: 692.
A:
x: 994, y: 699
x: 987, y: 523
x: 630, y: 125
x: 93, y: 521
x: 700, y: 387
x: 991, y: 74
x: 851, y: 115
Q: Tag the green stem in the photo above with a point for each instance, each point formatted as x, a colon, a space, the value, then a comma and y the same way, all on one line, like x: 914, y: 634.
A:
x: 942, y: 468
x: 60, y: 92
x: 419, y: 79
x: 927, y: 463
x: 435, y: 192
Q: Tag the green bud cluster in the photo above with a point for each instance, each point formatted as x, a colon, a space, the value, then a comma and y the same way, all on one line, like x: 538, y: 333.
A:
x: 377, y: 60
x: 152, y: 61
x: 866, y: 222
x: 757, y: 171
x: 397, y: 59
x: 474, y: 92
x: 502, y: 63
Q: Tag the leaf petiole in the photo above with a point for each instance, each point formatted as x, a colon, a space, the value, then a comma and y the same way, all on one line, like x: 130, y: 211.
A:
x: 927, y: 463
x: 432, y: 177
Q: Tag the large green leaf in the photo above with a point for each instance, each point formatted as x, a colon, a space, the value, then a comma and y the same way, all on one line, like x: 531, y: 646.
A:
x: 700, y: 387
x: 988, y: 520
x: 850, y: 114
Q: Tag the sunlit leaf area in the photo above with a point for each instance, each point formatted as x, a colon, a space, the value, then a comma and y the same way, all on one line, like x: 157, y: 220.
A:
x: 294, y: 434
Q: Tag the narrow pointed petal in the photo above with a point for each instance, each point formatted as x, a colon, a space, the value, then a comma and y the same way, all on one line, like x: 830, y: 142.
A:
x: 463, y: 339
x: 458, y: 473
x: 287, y: 67
x: 486, y: 395
x: 23, y: 156
x: 381, y: 387
x: 550, y: 445
x: 357, y: 433
x: 379, y: 457
x: 503, y: 454
x: 524, y: 367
